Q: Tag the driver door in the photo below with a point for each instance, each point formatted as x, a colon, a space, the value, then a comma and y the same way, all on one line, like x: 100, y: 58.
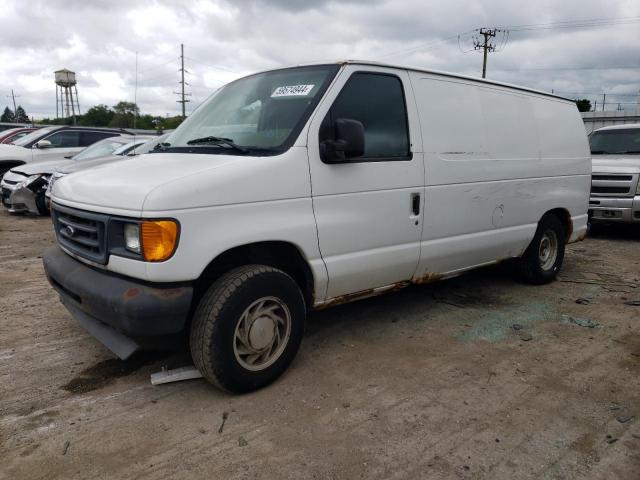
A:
x: 369, y: 210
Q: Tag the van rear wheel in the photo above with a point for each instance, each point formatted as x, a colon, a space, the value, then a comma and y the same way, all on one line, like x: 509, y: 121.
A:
x: 543, y: 258
x: 247, y: 328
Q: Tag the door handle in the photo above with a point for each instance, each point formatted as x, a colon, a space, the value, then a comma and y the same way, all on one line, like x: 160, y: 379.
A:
x: 415, y: 204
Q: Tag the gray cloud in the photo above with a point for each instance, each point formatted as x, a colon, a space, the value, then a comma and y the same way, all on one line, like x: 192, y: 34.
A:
x: 224, y: 39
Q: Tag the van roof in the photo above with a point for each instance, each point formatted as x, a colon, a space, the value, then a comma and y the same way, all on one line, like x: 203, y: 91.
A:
x: 455, y: 75
x: 619, y: 127
x: 441, y: 73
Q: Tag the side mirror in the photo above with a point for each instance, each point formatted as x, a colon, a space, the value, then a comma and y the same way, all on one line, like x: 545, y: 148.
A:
x: 44, y: 144
x: 348, y: 143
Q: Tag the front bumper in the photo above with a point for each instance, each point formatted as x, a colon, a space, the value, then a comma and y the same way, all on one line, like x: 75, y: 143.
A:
x: 611, y: 209
x: 120, y: 312
x: 18, y: 199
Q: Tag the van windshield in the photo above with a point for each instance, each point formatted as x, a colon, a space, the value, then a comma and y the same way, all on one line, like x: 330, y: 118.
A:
x: 259, y: 114
x: 621, y: 141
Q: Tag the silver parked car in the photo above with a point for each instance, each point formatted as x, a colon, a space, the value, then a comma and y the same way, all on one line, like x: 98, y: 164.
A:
x: 23, y: 187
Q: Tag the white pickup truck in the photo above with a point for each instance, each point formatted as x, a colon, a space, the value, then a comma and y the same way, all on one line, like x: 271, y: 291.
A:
x: 307, y: 187
x: 615, y: 188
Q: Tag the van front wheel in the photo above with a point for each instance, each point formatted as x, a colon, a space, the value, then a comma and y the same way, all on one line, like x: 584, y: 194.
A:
x: 543, y: 257
x: 247, y: 328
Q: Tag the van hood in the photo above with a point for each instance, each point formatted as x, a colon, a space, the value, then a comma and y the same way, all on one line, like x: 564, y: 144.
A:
x: 14, y: 152
x: 157, y: 183
x: 124, y: 185
x: 616, y: 163
x: 46, y: 167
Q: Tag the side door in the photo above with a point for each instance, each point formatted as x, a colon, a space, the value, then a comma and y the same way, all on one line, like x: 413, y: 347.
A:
x: 63, y: 143
x: 369, y: 209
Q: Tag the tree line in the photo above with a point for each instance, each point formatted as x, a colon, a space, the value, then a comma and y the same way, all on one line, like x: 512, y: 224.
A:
x: 19, y: 116
x: 121, y: 115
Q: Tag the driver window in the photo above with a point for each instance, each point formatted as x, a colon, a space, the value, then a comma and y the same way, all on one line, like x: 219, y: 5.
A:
x: 376, y: 100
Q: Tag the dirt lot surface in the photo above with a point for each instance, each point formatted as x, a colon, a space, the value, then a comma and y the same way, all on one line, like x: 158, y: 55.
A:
x: 430, y: 382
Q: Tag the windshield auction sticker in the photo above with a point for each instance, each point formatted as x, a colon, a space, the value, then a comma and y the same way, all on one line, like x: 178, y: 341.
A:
x: 292, y: 91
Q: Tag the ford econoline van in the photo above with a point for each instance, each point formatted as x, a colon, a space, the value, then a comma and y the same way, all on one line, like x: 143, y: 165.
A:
x: 303, y: 188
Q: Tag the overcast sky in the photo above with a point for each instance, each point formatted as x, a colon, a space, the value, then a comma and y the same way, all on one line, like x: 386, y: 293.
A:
x: 226, y: 39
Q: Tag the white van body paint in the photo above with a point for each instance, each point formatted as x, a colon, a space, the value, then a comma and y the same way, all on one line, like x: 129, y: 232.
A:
x: 488, y: 160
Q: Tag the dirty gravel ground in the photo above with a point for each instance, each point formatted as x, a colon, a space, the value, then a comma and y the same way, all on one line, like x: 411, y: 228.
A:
x: 430, y: 382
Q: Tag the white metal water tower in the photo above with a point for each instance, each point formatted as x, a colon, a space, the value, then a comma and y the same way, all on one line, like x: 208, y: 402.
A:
x: 65, y: 88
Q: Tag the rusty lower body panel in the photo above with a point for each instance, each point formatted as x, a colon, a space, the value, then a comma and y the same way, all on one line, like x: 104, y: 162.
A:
x: 117, y: 311
x: 372, y: 292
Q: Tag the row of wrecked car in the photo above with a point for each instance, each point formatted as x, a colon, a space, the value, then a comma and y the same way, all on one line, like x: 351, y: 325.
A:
x: 37, y: 157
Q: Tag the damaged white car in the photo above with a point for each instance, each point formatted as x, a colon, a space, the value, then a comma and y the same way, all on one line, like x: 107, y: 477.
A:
x: 24, y: 187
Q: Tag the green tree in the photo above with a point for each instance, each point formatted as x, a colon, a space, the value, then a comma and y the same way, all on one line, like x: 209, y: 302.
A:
x: 583, y: 105
x: 97, y: 116
x: 124, y: 113
x: 7, y: 115
x: 172, y: 123
x: 21, y: 116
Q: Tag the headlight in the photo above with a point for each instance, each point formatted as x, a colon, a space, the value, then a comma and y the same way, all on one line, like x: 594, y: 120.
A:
x: 29, y: 180
x: 154, y: 240
x: 132, y: 237
x: 55, y: 177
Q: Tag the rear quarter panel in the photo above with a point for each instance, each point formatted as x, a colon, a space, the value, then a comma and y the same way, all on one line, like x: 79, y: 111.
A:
x: 496, y: 160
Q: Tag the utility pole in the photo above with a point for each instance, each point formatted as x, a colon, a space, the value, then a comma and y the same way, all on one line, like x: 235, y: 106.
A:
x: 604, y: 99
x: 183, y: 100
x: 13, y: 97
x: 485, y: 45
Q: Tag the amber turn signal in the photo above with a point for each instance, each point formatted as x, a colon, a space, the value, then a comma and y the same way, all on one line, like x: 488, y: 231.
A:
x: 159, y: 239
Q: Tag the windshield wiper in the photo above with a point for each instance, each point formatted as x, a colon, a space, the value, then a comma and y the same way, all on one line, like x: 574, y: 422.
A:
x: 161, y: 146
x: 599, y: 152
x: 217, y: 141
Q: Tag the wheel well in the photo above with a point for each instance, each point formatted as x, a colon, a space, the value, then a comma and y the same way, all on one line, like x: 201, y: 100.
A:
x: 565, y: 218
x: 282, y: 255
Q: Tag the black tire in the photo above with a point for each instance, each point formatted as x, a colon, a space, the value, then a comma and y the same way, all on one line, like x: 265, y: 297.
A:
x: 213, y: 330
x: 533, y: 268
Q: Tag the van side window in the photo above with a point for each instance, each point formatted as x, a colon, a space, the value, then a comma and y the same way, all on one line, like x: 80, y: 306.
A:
x: 376, y: 100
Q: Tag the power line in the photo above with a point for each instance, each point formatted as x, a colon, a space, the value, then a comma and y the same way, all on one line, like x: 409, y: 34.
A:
x: 617, y: 67
x: 142, y: 72
x: 211, y: 66
x: 599, y: 93
x: 594, y: 22
x: 425, y: 46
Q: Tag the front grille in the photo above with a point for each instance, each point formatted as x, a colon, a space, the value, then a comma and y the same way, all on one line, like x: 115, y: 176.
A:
x: 612, y: 184
x: 610, y: 189
x: 82, y: 233
x: 10, y: 182
x: 615, y: 178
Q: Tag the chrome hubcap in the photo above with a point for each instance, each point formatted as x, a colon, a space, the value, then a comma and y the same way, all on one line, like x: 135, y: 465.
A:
x: 262, y: 333
x: 548, y: 251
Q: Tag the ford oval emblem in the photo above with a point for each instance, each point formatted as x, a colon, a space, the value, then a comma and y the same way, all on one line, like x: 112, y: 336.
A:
x: 69, y: 231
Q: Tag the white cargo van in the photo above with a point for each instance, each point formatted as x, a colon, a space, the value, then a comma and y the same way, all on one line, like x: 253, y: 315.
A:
x: 306, y: 187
